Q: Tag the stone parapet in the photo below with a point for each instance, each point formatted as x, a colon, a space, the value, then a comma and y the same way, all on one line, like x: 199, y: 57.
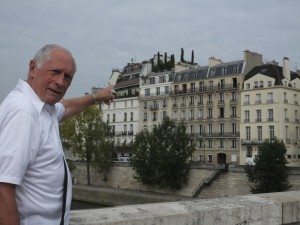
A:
x: 262, y: 209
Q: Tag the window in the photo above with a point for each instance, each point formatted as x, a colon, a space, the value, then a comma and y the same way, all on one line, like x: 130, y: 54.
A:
x: 233, y: 111
x: 222, y: 129
x: 131, y: 116
x: 145, y: 105
x: 223, y: 70
x: 233, y: 125
x: 154, y: 116
x: 191, y: 129
x: 211, y: 84
x: 191, y: 114
x: 166, y: 89
x: 183, y: 116
x: 270, y: 114
x: 233, y: 143
x: 221, y: 115
x: 270, y: 97
x: 248, y: 86
x: 209, y: 129
x: 145, y: 116
x: 286, y: 115
x: 247, y: 116
x: 259, y: 134
x: 249, y: 152
x: 295, y: 99
x: 147, y: 92
x: 200, y: 158
x: 258, y: 99
x: 221, y: 97
x: 165, y: 103
x: 158, y: 91
x: 221, y: 143
x: 248, y: 133
x: 131, y: 103
x: 201, y: 86
x: 209, y: 144
x: 258, y: 115
x: 125, y: 116
x: 247, y: 100
x: 175, y: 115
x: 261, y: 84
x: 285, y: 99
x: 200, y: 114
x: 269, y: 83
x: 209, y: 158
x: 235, y: 69
x: 233, y: 97
x: 192, y: 87
x: 108, y: 118
x: 209, y: 98
x: 192, y: 101
x: 209, y: 113
x: 256, y: 84
x: 114, y: 117
x: 200, y: 130
x: 164, y: 114
x: 200, y: 102
x: 272, y: 132
x: 145, y: 128
x: 183, y: 101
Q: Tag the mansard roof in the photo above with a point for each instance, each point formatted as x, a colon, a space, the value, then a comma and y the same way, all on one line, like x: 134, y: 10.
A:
x: 191, y: 74
x: 233, y: 67
x: 270, y: 70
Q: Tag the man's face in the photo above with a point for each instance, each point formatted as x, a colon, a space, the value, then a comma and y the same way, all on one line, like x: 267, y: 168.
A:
x: 51, y: 81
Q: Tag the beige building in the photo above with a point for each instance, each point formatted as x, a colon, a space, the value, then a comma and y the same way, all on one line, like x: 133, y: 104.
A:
x: 270, y: 108
x: 208, y: 99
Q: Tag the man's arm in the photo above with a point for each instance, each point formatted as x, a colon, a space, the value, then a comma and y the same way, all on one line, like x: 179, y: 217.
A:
x: 75, y: 106
x: 9, y: 214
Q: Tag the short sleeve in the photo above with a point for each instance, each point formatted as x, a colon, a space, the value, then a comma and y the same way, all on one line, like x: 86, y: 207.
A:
x: 19, y: 138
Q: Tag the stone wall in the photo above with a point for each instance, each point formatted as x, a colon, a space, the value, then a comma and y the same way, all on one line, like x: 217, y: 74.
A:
x: 263, y: 209
x: 234, y: 182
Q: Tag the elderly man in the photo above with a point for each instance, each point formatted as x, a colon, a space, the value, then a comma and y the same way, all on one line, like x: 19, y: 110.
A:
x: 35, y: 184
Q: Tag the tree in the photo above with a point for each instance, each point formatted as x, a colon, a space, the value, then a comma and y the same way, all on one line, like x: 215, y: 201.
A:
x: 269, y: 172
x: 182, y: 55
x: 88, y: 137
x: 192, y: 58
x: 161, y: 156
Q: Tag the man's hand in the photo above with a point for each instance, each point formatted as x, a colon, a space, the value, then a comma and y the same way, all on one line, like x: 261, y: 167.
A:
x: 105, y: 95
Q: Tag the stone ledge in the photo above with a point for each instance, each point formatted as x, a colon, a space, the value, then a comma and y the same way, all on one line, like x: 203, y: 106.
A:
x: 264, y: 209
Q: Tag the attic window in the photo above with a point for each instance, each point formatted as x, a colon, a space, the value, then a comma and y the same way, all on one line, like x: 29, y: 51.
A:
x: 263, y: 70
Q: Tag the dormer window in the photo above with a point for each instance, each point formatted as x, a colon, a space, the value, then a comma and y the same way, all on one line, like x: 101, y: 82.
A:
x: 269, y: 83
x: 235, y: 69
x: 213, y: 71
x: 224, y: 71
x: 255, y: 84
x: 261, y: 84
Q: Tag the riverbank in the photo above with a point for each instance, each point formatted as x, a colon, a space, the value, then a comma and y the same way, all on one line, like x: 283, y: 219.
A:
x: 118, y: 197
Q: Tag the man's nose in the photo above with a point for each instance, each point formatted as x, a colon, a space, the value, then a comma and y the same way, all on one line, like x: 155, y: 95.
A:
x: 59, y: 79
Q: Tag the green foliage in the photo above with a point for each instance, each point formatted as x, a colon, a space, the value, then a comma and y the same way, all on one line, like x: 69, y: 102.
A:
x: 161, y: 156
x: 269, y: 173
x: 88, y: 137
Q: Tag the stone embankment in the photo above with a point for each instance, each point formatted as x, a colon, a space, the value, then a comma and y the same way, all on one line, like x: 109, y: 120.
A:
x: 263, y: 209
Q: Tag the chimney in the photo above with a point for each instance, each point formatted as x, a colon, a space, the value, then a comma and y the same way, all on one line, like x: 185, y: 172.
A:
x: 286, y: 68
x: 251, y: 59
x: 212, y: 61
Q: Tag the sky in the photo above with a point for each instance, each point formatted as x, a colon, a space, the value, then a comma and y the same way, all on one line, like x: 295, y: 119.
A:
x: 105, y: 35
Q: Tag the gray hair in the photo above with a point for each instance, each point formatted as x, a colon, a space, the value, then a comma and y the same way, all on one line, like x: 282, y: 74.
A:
x: 44, y: 54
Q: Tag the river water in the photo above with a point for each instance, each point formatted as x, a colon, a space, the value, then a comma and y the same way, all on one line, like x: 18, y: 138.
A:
x: 77, y: 205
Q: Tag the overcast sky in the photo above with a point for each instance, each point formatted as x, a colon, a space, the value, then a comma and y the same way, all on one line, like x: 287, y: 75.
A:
x: 103, y: 35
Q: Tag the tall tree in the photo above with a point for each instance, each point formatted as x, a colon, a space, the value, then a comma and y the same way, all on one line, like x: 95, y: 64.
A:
x: 269, y: 172
x: 86, y: 135
x: 192, y: 58
x: 182, y: 55
x: 161, y: 156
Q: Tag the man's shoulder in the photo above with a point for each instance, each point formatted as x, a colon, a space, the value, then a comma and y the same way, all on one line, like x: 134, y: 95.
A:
x: 18, y: 101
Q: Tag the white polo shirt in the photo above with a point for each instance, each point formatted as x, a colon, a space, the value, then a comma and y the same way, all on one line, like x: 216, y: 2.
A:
x: 31, y: 156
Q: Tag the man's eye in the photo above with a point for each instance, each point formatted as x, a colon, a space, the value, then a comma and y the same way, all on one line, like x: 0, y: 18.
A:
x: 55, y: 71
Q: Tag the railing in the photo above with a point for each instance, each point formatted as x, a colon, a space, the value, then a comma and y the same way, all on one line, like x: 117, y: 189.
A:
x: 208, y: 181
